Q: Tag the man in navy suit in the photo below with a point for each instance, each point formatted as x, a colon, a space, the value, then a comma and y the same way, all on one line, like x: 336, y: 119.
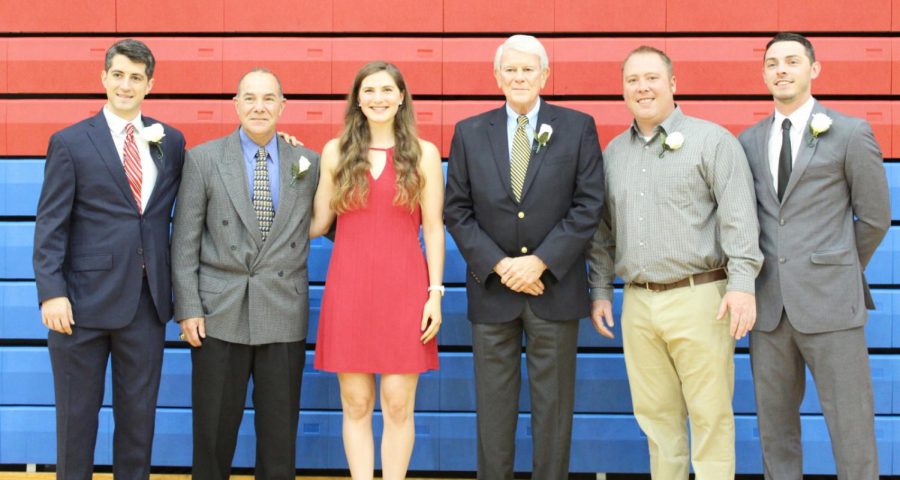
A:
x: 524, y: 195
x: 101, y: 262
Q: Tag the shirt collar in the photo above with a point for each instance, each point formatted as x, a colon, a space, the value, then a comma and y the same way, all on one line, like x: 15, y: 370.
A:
x: 532, y: 114
x: 800, y: 116
x: 669, y: 125
x: 117, y: 123
x: 251, y: 148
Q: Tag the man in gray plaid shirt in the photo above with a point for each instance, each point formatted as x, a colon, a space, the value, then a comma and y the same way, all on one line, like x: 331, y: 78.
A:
x: 680, y: 228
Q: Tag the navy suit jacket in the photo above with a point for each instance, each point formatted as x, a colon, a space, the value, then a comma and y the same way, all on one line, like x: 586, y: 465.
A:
x: 555, y: 220
x: 91, y: 244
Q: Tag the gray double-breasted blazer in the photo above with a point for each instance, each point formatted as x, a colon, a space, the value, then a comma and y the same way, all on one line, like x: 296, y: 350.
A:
x: 818, y: 240
x: 249, y: 291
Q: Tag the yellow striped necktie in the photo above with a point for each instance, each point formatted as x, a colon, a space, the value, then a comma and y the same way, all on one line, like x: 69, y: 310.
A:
x: 521, y: 154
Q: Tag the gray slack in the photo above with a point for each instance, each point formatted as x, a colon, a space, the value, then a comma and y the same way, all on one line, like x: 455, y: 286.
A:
x: 550, y: 348
x: 839, y: 363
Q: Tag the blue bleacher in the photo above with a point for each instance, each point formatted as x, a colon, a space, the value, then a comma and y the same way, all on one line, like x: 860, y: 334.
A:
x: 21, y: 181
x: 20, y: 318
x: 444, y: 441
x: 17, y: 241
x: 606, y: 437
x: 602, y: 385
x: 893, y: 175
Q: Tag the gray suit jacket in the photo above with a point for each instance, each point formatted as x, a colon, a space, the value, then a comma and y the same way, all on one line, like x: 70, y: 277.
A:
x: 249, y: 291
x: 815, y: 252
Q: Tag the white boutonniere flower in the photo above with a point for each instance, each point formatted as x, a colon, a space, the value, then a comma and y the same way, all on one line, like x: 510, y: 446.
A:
x: 542, y: 136
x: 671, y: 142
x: 153, y: 133
x: 299, y: 168
x: 818, y: 124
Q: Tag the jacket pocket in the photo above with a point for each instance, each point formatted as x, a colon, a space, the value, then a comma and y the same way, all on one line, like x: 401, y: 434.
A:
x: 210, y: 284
x: 86, y: 263
x: 833, y: 257
x: 302, y: 287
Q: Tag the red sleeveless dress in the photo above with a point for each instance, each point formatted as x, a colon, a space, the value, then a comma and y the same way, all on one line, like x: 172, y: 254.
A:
x: 376, y: 288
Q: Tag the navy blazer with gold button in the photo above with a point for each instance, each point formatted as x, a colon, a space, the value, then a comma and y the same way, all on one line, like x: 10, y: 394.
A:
x: 555, y: 220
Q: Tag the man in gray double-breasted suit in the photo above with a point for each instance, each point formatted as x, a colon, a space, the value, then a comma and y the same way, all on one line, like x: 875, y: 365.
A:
x: 823, y: 209
x: 240, y: 247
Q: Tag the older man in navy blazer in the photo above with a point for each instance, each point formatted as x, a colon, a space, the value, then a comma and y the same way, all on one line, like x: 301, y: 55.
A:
x: 101, y: 262
x: 524, y: 194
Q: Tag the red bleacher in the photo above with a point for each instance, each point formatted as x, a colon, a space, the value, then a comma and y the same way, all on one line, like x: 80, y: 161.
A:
x: 389, y: 15
x: 499, y: 16
x: 584, y: 66
x: 419, y: 59
x: 603, y: 16
x: 68, y: 16
x: 3, y: 63
x: 435, y: 66
x: 30, y: 122
x: 730, y: 16
x: 3, y: 149
x: 302, y: 64
x: 183, y: 15
x: 278, y: 16
x: 458, y: 16
x: 834, y: 16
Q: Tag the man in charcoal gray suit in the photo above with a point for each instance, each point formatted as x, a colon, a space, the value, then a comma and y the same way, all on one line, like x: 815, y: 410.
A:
x: 240, y: 247
x: 823, y: 207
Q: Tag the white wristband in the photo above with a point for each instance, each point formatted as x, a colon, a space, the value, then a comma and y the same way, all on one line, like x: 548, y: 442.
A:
x: 439, y: 288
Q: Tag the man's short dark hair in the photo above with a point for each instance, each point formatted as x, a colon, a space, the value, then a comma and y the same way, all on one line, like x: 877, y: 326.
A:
x: 135, y: 50
x: 646, y: 49
x: 793, y: 37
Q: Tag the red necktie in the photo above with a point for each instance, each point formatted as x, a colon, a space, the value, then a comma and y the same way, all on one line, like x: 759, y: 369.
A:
x: 133, y: 165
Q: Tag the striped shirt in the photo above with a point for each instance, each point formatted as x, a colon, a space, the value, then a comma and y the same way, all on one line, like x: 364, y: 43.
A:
x: 674, y: 213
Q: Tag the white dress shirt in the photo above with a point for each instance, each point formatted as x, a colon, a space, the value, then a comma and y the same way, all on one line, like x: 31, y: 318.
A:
x: 799, y: 121
x: 148, y: 168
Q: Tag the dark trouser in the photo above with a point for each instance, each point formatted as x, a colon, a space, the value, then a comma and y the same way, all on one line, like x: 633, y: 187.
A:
x: 550, y: 354
x: 839, y: 363
x: 79, y: 371
x: 221, y: 371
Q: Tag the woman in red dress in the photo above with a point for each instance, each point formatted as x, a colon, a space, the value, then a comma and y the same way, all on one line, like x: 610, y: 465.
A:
x: 381, y: 308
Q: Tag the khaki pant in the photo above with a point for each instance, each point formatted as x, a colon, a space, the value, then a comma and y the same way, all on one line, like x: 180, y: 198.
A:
x: 680, y: 363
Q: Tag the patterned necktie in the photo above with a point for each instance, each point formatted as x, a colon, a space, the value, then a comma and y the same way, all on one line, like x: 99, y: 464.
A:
x: 132, y: 164
x: 262, y: 195
x: 521, y: 153
x: 784, y: 158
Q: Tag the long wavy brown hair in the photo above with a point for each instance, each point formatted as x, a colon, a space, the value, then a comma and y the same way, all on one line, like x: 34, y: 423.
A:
x: 350, y: 180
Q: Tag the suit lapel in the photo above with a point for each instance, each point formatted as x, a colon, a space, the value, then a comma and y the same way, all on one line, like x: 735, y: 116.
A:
x: 159, y: 159
x: 546, y: 114
x: 156, y: 149
x: 762, y: 157
x: 234, y: 176
x: 286, y: 196
x: 804, y: 154
x: 497, y: 136
x: 103, y: 142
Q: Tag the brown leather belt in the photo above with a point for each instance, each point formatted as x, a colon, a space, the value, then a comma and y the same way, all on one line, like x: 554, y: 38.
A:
x: 698, y: 279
